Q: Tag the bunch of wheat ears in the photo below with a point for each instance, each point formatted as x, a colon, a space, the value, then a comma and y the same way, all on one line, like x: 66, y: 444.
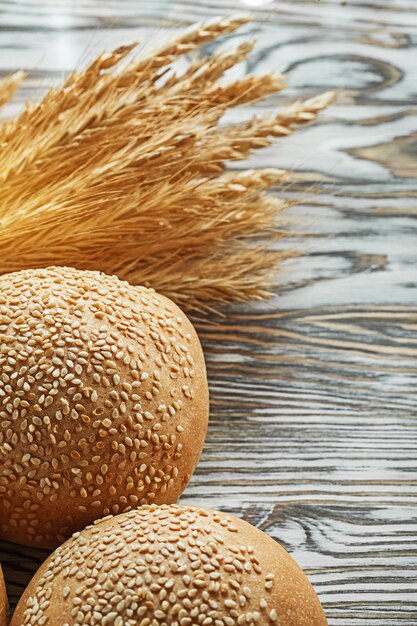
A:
x: 123, y: 169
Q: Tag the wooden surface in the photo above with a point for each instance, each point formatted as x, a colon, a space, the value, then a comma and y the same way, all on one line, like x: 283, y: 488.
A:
x: 313, y: 433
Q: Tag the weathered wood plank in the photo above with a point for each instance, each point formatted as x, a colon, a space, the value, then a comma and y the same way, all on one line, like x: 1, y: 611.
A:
x: 313, y: 431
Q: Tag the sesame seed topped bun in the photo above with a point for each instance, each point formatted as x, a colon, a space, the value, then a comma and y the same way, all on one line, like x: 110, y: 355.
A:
x: 103, y: 401
x: 3, y: 600
x: 170, y: 566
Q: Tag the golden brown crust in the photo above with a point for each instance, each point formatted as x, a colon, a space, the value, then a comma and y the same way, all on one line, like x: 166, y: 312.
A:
x: 171, y: 565
x: 3, y: 600
x: 103, y: 401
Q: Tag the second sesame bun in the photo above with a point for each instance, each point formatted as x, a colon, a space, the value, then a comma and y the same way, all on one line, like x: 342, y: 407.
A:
x: 103, y: 401
x: 3, y: 600
x: 170, y: 566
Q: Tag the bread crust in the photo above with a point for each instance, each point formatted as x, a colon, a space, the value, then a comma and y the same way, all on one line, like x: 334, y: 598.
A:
x: 103, y: 401
x: 170, y: 565
x: 3, y: 600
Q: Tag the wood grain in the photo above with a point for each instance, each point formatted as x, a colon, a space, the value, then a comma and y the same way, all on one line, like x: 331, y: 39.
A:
x: 313, y: 432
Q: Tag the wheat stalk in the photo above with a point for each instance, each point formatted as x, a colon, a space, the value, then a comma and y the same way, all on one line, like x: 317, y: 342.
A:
x: 122, y: 169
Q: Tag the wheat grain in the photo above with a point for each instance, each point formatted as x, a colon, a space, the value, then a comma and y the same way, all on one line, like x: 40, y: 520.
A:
x: 9, y: 85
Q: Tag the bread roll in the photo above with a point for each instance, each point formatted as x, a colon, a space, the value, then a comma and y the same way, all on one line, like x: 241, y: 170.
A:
x: 3, y: 600
x: 103, y: 401
x: 170, y: 566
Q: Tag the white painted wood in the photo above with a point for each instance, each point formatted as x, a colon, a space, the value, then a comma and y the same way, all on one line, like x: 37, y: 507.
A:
x: 313, y: 432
